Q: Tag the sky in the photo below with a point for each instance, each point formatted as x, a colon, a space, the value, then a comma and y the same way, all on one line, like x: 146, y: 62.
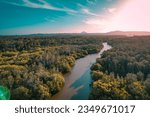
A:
x: 73, y: 16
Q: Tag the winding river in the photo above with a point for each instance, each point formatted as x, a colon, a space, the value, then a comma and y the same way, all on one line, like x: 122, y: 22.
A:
x: 78, y: 80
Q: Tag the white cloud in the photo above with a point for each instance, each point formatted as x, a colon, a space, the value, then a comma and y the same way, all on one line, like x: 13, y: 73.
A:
x: 43, y: 5
x: 49, y: 19
x: 88, y: 12
x: 92, y: 2
x: 111, y: 10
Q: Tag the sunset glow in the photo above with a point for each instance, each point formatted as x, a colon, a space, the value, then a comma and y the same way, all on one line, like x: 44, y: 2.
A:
x: 92, y: 16
x: 133, y: 16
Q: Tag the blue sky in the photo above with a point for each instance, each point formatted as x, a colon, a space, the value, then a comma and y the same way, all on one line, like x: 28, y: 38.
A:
x: 56, y: 16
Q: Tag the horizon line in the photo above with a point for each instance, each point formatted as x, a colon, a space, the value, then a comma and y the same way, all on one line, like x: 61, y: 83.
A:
x: 83, y: 32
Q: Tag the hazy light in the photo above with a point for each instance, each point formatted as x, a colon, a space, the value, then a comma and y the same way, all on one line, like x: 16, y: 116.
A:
x: 134, y: 15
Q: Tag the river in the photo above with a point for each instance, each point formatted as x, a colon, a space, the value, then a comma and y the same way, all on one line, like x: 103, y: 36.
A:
x: 77, y: 82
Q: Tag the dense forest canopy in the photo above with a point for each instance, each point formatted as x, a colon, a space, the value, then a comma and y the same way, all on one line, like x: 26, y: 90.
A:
x: 32, y: 67
x: 124, y: 71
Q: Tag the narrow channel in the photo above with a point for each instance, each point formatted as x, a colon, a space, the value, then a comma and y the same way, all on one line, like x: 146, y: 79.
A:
x: 78, y: 80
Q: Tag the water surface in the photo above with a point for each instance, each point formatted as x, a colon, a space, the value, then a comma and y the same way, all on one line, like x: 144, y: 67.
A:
x: 78, y: 80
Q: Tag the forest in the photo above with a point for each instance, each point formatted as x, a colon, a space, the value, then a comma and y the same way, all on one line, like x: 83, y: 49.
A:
x: 124, y: 71
x: 33, y: 67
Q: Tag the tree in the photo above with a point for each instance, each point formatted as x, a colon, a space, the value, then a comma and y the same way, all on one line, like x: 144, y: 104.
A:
x: 96, y: 66
x: 42, y: 92
x: 137, y: 91
x: 96, y: 75
x: 140, y: 76
x: 108, y: 87
x: 147, y: 84
x: 21, y: 93
x: 56, y: 83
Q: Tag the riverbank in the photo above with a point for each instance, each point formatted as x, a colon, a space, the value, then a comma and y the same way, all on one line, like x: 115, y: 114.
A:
x: 78, y: 80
